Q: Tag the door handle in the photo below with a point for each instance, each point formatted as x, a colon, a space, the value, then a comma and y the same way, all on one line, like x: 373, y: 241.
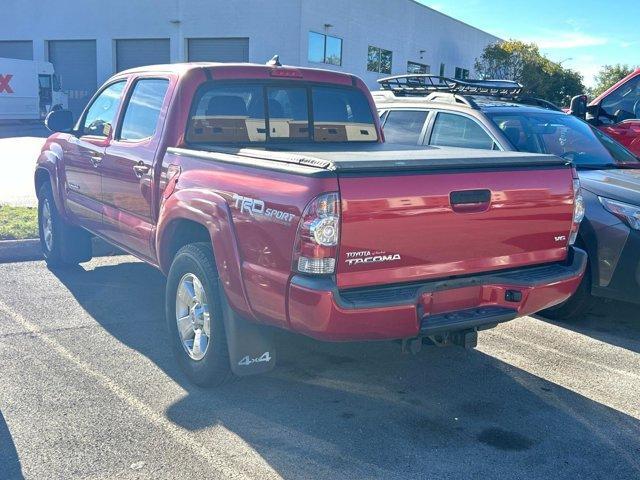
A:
x: 140, y: 169
x: 470, y: 201
x: 96, y: 160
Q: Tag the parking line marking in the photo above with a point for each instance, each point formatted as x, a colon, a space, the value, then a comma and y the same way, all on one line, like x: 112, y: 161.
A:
x: 214, y: 457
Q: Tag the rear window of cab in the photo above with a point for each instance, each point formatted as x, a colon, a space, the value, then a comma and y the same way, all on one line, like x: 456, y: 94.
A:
x: 270, y: 113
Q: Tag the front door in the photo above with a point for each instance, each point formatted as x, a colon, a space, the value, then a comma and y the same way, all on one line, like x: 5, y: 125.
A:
x: 83, y: 155
x: 127, y: 168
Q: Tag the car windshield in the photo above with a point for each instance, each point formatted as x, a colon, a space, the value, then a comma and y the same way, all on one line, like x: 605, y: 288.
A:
x: 562, y: 135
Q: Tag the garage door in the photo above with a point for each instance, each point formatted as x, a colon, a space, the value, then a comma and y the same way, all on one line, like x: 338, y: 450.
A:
x: 22, y: 50
x: 139, y: 52
x: 218, y: 49
x: 75, y: 63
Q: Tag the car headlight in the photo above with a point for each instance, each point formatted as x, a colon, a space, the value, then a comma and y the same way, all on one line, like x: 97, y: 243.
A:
x: 629, y: 214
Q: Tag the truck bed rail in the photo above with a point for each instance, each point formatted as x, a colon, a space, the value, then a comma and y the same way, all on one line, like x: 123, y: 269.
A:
x: 370, y: 157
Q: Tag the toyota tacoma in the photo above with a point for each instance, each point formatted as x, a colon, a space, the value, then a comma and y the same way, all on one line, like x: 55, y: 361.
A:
x: 267, y: 196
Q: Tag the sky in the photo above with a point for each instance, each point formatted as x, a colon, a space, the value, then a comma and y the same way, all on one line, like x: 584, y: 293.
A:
x: 582, y: 34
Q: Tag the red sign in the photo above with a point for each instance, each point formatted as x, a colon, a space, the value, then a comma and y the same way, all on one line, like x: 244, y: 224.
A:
x: 4, y: 83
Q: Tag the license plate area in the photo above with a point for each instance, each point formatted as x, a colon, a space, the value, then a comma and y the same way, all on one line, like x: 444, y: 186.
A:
x: 433, y: 303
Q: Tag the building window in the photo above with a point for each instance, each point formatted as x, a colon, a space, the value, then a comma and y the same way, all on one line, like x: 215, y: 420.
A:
x: 414, y: 67
x: 462, y: 73
x: 379, y: 60
x: 325, y: 49
x: 442, y: 66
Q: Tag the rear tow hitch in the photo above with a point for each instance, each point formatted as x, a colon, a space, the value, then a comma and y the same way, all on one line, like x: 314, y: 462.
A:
x: 461, y: 338
x: 411, y: 345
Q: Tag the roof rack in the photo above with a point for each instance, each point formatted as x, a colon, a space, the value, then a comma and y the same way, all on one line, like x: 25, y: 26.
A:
x: 424, y: 84
x: 538, y: 102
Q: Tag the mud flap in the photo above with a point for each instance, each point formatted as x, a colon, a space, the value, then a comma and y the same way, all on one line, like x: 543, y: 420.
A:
x: 251, y: 347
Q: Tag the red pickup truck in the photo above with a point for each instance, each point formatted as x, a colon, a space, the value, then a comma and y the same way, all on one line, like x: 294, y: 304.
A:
x: 267, y: 196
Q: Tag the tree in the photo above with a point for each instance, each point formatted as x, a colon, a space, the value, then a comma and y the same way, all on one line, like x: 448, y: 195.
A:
x: 523, y: 63
x: 608, y: 76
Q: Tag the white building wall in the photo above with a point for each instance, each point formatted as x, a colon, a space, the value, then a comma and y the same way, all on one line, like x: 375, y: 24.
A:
x: 275, y: 26
x: 402, y: 26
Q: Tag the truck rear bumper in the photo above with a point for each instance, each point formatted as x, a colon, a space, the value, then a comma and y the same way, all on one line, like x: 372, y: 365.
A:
x: 318, y: 309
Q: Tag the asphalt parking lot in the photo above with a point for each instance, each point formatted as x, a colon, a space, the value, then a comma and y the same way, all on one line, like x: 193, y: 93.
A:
x: 89, y: 389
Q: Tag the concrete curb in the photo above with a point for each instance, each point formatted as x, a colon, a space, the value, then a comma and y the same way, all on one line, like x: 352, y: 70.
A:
x: 28, y: 250
x: 19, y: 250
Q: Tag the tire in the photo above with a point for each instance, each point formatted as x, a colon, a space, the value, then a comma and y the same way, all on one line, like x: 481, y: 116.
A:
x: 62, y: 244
x: 575, y: 307
x: 194, y: 294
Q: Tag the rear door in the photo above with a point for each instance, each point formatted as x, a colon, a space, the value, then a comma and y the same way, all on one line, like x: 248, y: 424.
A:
x: 127, y: 168
x: 84, y: 152
x: 451, y: 129
x: 405, y: 126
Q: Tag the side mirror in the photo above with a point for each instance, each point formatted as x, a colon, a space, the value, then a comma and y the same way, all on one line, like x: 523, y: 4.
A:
x: 578, y: 106
x: 59, y: 121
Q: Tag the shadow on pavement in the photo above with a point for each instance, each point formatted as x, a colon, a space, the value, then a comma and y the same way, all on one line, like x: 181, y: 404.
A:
x: 14, y: 251
x: 616, y: 323
x: 23, y: 128
x: 9, y: 462
x: 364, y: 410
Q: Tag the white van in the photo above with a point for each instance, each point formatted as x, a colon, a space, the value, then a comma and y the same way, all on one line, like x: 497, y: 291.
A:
x: 29, y: 90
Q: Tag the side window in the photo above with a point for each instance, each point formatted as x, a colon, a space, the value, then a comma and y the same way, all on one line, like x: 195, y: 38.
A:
x: 143, y: 109
x: 451, y: 130
x: 379, y: 60
x: 624, y: 102
x: 99, y: 118
x: 404, y: 126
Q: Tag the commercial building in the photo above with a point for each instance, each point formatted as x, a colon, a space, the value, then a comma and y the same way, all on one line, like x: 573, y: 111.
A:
x: 90, y: 40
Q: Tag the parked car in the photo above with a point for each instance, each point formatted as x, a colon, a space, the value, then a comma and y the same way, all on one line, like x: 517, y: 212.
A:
x: 265, y: 195
x: 617, y: 112
x: 29, y: 90
x: 493, y: 115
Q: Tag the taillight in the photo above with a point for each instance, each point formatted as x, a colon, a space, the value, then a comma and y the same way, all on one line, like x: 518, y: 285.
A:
x: 316, y: 245
x: 578, y: 209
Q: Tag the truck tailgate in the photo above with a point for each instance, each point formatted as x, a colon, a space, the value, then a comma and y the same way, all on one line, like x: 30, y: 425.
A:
x: 415, y: 225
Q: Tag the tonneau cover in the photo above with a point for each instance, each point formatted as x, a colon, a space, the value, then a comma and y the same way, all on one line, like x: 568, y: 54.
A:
x: 377, y: 156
